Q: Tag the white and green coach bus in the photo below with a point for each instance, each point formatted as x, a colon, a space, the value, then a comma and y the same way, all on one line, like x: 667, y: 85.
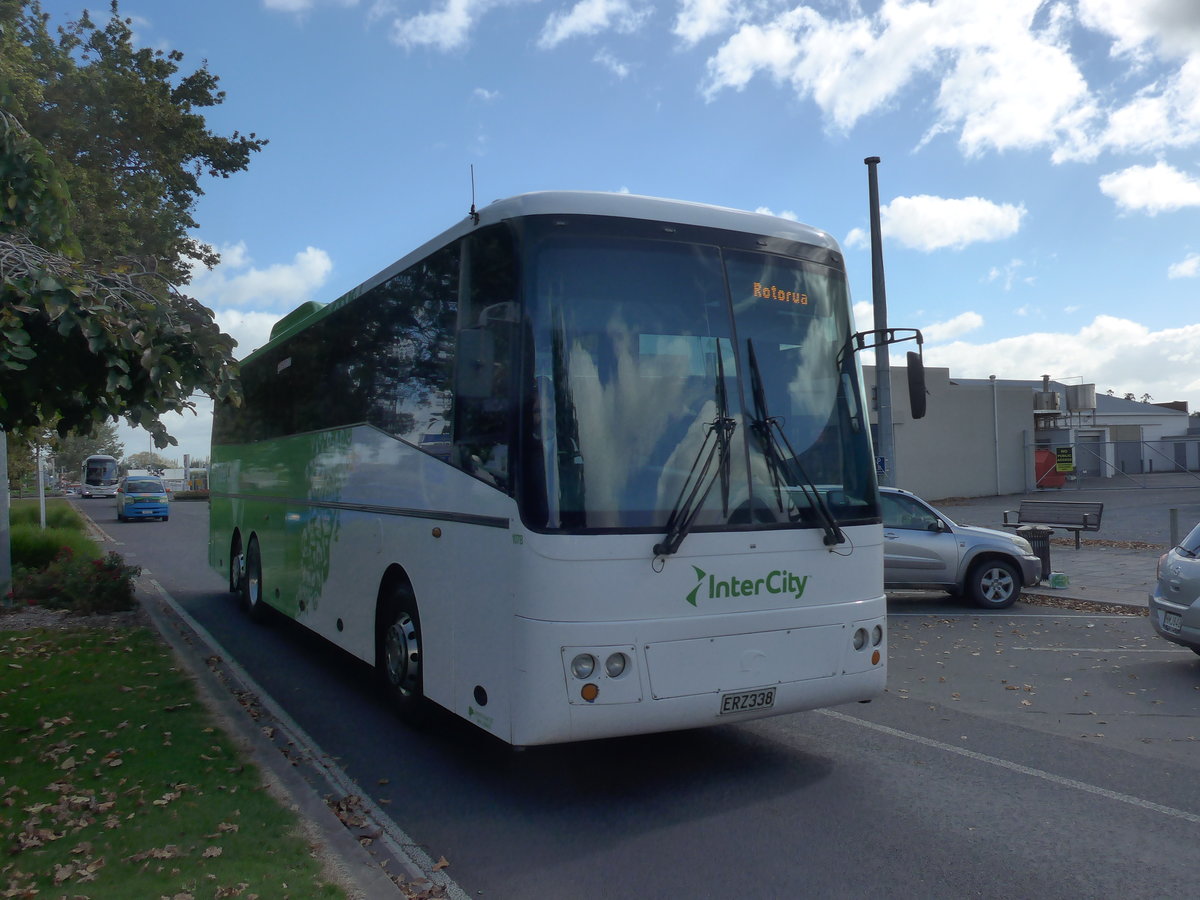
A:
x: 583, y: 465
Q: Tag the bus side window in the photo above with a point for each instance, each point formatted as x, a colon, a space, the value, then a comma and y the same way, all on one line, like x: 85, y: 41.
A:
x: 489, y: 319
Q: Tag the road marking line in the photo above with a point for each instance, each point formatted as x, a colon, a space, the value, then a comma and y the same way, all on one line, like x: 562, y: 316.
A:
x: 1001, y: 614
x: 1180, y: 651
x: 1018, y: 768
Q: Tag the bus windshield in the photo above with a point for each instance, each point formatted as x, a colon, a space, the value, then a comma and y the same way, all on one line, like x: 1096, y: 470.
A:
x: 643, y: 345
x: 100, y: 471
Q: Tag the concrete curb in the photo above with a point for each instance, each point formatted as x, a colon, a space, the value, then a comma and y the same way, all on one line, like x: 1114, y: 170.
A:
x: 359, y: 873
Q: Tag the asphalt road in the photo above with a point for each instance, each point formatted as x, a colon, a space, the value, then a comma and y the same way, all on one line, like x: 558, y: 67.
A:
x: 1019, y: 753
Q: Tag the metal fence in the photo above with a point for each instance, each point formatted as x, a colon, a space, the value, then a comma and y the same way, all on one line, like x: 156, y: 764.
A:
x: 1109, y: 465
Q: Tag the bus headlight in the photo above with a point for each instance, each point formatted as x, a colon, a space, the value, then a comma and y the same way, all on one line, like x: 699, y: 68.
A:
x: 583, y: 665
x: 614, y: 666
x: 860, y: 638
x: 876, y: 635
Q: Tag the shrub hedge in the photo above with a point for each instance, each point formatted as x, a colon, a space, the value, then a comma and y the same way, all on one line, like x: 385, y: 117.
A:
x: 63, y: 568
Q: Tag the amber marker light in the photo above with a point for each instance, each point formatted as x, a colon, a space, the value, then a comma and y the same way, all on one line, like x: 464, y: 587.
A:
x: 589, y: 692
x: 875, y: 658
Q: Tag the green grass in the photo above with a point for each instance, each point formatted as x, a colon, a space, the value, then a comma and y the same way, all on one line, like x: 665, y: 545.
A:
x: 115, y: 781
x: 59, y: 514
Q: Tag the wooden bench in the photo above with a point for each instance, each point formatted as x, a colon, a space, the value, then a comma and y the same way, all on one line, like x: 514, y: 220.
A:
x: 1071, y: 515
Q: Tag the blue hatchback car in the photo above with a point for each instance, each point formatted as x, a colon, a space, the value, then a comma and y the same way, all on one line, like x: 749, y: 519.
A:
x: 142, y: 497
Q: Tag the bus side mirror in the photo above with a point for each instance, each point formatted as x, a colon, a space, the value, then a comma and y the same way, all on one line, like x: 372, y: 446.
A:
x: 916, y: 384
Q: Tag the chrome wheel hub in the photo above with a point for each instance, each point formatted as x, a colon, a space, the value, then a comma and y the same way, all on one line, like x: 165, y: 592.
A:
x: 402, y: 650
x: 997, y: 584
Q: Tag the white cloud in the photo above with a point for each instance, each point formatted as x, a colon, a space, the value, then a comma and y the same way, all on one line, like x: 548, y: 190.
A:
x: 1004, y: 75
x: 1003, y: 83
x: 443, y: 28
x: 864, y: 314
x: 1008, y: 273
x: 1163, y: 115
x: 1108, y: 352
x: 610, y: 62
x: 932, y: 223
x: 250, y: 329
x: 963, y: 323
x: 485, y: 95
x: 1151, y: 189
x: 303, y: 6
x: 786, y: 214
x: 235, y: 282
x: 1011, y: 87
x: 1189, y: 267
x: 698, y: 19
x: 1173, y: 25
x: 592, y: 17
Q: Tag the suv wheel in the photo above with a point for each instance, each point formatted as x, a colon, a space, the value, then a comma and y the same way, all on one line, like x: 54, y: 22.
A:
x: 994, y: 584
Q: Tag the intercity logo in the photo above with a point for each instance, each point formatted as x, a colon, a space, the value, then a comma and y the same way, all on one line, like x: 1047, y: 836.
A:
x: 779, y: 581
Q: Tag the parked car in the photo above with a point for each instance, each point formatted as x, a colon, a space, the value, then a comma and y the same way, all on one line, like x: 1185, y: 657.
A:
x: 142, y: 497
x: 924, y: 549
x: 1175, y: 601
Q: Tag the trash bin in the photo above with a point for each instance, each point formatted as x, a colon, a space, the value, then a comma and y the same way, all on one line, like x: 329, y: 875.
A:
x: 1039, y: 538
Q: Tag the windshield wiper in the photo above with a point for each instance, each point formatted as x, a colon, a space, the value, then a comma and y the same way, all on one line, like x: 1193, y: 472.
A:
x: 697, y: 484
x: 786, y: 470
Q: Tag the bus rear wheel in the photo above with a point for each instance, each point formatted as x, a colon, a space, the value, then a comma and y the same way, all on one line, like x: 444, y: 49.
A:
x: 398, y: 655
x: 251, y: 584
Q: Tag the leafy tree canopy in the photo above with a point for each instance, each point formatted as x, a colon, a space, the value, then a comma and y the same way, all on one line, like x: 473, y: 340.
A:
x: 101, y: 152
x: 148, y: 460
x: 123, y: 128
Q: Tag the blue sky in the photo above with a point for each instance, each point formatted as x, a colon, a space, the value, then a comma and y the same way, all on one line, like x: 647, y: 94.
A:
x: 1040, y: 173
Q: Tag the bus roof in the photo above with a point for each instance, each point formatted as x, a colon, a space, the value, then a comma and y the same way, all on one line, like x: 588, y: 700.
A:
x: 591, y: 203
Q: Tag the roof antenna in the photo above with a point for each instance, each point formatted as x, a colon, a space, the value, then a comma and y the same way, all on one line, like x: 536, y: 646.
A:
x: 473, y: 214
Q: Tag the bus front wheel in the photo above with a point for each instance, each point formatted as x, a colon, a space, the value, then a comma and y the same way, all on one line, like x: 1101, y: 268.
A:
x: 251, y: 583
x: 237, y: 566
x: 398, y: 654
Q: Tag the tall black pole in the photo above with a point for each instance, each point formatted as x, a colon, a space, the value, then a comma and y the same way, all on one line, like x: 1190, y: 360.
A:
x: 883, y: 365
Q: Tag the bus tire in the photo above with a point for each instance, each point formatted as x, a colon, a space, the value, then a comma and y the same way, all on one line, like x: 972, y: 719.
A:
x: 251, y: 584
x: 236, y: 564
x: 398, y: 652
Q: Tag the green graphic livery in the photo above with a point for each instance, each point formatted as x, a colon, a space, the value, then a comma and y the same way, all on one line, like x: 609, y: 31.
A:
x: 780, y: 581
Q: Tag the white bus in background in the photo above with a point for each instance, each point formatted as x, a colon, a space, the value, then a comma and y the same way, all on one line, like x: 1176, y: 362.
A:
x: 99, y: 476
x: 584, y: 465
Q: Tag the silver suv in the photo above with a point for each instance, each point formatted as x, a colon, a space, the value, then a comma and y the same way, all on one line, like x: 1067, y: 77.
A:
x: 924, y: 549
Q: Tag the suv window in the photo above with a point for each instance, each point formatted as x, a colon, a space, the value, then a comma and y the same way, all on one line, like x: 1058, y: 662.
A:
x: 904, y: 512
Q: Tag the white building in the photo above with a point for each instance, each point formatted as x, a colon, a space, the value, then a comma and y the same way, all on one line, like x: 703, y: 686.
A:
x: 989, y: 436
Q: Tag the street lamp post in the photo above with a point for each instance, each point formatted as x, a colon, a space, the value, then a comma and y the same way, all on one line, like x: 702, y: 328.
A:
x: 883, y: 366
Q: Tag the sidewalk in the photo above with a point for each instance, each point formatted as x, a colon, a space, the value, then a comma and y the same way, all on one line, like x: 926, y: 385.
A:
x: 1102, y: 574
